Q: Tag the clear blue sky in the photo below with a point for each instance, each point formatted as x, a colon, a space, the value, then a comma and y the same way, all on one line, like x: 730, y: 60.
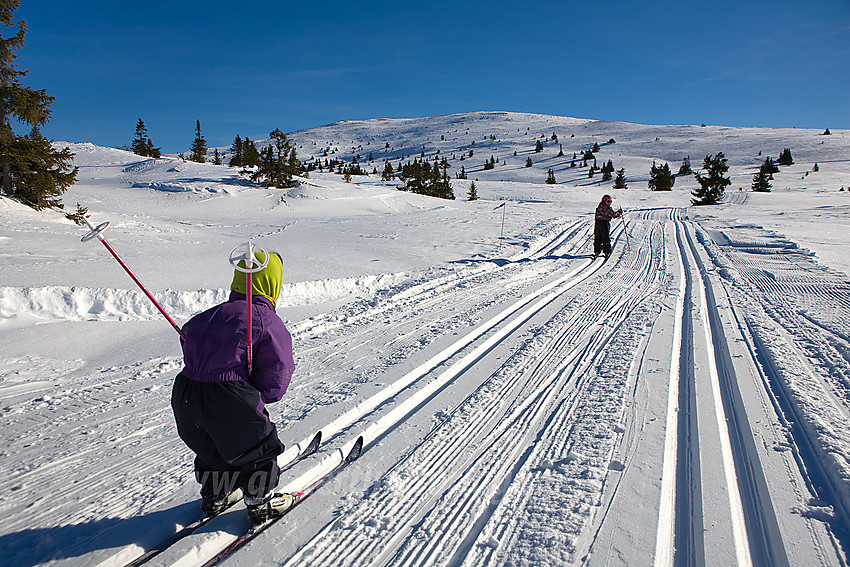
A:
x: 248, y: 68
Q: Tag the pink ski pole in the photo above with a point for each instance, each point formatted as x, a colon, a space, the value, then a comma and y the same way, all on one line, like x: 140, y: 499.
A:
x: 96, y: 232
x: 250, y: 266
x: 625, y: 229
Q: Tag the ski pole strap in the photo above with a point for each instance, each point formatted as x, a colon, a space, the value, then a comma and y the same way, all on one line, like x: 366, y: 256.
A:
x: 96, y: 232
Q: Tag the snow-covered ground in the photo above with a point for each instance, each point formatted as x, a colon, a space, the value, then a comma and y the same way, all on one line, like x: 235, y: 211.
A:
x: 687, y: 401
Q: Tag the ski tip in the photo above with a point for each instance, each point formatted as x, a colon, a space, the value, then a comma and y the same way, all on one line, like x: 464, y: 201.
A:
x: 355, y: 450
x: 314, y: 444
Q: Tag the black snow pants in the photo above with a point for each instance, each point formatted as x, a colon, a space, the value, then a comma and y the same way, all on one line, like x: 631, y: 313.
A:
x: 235, y: 444
x: 602, y: 237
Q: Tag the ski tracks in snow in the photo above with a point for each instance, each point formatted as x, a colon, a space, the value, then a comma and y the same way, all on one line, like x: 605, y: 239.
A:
x: 547, y: 408
x: 539, y: 419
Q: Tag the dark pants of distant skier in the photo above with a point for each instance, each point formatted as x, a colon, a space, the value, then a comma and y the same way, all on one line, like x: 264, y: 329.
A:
x: 602, y: 237
x: 235, y: 443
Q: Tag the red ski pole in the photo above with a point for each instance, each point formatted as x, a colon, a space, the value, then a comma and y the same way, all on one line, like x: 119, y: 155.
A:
x: 625, y: 229
x: 96, y: 232
x: 250, y: 265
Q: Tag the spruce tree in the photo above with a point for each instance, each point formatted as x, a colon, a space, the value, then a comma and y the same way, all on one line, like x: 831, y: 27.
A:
x: 140, y: 142
x: 607, y: 171
x: 31, y: 169
x: 760, y: 182
x: 661, y: 178
x: 387, y: 174
x: 278, y: 163
x: 236, y: 151
x: 620, y: 180
x: 539, y: 147
x: 473, y: 192
x: 785, y: 157
x: 151, y: 151
x: 550, y: 179
x: 713, y: 184
x: 685, y: 168
x: 769, y: 167
x: 250, y: 154
x: 199, y: 146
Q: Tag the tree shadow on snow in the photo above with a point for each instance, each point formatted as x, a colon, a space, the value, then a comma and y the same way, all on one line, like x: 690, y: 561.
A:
x: 100, y: 539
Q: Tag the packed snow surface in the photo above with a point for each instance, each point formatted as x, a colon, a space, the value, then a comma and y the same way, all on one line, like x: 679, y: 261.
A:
x: 686, y: 401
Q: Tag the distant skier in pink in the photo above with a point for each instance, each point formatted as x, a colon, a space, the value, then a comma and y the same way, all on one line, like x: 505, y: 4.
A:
x: 602, y: 229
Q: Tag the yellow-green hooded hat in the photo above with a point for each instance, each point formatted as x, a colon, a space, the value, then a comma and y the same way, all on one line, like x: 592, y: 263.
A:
x: 267, y: 282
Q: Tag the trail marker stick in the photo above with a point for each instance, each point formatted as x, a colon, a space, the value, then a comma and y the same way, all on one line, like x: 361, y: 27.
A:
x: 251, y: 266
x: 502, y: 231
x: 96, y: 232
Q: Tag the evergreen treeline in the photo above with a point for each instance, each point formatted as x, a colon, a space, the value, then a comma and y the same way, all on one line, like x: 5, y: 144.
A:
x: 278, y: 162
x: 421, y: 178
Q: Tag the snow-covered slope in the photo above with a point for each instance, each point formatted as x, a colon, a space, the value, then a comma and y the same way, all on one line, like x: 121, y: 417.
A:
x: 520, y: 402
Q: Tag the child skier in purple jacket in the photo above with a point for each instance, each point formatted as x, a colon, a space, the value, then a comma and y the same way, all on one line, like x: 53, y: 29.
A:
x: 219, y: 406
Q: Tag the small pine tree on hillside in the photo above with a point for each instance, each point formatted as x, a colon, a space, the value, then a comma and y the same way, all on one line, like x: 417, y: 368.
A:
x: 769, y: 167
x: 539, y: 147
x: 760, y: 182
x: 785, y: 157
x: 685, y: 168
x: 142, y: 145
x: 550, y: 179
x: 620, y: 181
x: 30, y: 169
x: 387, y: 174
x: 528, y: 162
x: 216, y: 157
x: 713, y: 184
x: 236, y: 152
x: 198, y: 151
x: 661, y: 178
x: 827, y: 132
x: 473, y: 192
x: 607, y: 171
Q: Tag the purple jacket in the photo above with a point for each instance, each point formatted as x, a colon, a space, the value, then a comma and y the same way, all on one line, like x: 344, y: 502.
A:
x: 216, y: 346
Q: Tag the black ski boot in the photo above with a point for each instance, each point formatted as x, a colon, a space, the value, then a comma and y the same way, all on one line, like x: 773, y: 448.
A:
x: 213, y: 506
x: 270, y: 507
